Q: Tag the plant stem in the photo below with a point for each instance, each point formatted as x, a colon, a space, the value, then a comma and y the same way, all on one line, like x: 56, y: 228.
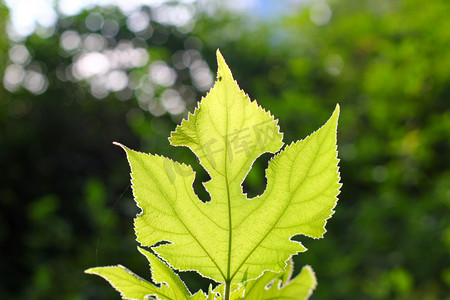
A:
x: 227, y: 290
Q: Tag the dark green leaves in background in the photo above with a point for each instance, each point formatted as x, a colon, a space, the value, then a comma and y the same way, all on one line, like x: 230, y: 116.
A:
x: 64, y: 201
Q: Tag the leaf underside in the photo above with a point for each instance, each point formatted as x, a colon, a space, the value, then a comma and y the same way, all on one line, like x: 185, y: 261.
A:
x: 232, y: 238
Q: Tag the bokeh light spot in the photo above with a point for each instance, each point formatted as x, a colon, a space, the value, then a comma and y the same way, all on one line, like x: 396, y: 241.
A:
x: 138, y: 21
x: 202, y: 76
x: 116, y: 80
x: 35, y: 82
x: 19, y: 54
x: 172, y: 102
x: 70, y: 40
x: 334, y: 64
x: 13, y: 77
x: 162, y: 74
x: 89, y: 64
x: 110, y: 28
x: 94, y: 42
x: 94, y: 21
x: 320, y: 13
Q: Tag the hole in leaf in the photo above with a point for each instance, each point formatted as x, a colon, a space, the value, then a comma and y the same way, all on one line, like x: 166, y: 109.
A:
x: 196, y: 282
x: 160, y: 243
x: 185, y: 155
x: 255, y: 182
x: 201, y: 176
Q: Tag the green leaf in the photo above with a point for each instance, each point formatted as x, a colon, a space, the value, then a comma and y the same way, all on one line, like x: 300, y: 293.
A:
x: 273, y: 285
x: 126, y: 282
x: 233, y: 238
x: 280, y: 285
x: 237, y: 291
x: 131, y: 286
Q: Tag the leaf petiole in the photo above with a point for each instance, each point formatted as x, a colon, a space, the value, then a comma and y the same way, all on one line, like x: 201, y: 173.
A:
x: 227, y: 290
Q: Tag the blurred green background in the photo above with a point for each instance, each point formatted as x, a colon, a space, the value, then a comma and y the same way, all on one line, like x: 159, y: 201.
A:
x: 77, y: 79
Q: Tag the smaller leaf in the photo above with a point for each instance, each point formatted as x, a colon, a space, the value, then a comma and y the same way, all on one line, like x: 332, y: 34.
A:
x: 211, y: 293
x: 126, y: 282
x: 131, y: 286
x: 171, y: 285
x: 236, y: 293
x: 198, y: 296
x: 273, y: 285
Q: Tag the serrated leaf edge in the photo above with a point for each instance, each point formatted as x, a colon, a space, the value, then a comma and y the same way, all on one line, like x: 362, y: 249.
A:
x: 154, y: 247
x: 293, y: 143
x: 92, y: 272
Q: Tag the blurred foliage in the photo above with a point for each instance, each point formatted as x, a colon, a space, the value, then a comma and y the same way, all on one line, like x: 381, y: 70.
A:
x: 64, y: 196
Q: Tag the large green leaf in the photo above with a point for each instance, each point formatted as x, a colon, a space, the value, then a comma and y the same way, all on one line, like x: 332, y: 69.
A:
x: 232, y: 238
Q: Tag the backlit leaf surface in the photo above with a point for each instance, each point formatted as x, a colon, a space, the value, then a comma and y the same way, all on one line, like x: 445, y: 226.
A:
x: 281, y: 286
x: 232, y: 238
x: 131, y: 286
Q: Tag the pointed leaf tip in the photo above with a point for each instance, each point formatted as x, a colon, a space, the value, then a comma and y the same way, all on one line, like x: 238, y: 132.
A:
x: 219, y: 55
x: 337, y: 109
x: 124, y: 148
x: 335, y: 115
x: 222, y: 67
x: 118, y: 144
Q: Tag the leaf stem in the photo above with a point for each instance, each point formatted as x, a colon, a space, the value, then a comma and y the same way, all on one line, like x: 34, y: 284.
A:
x: 227, y: 289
